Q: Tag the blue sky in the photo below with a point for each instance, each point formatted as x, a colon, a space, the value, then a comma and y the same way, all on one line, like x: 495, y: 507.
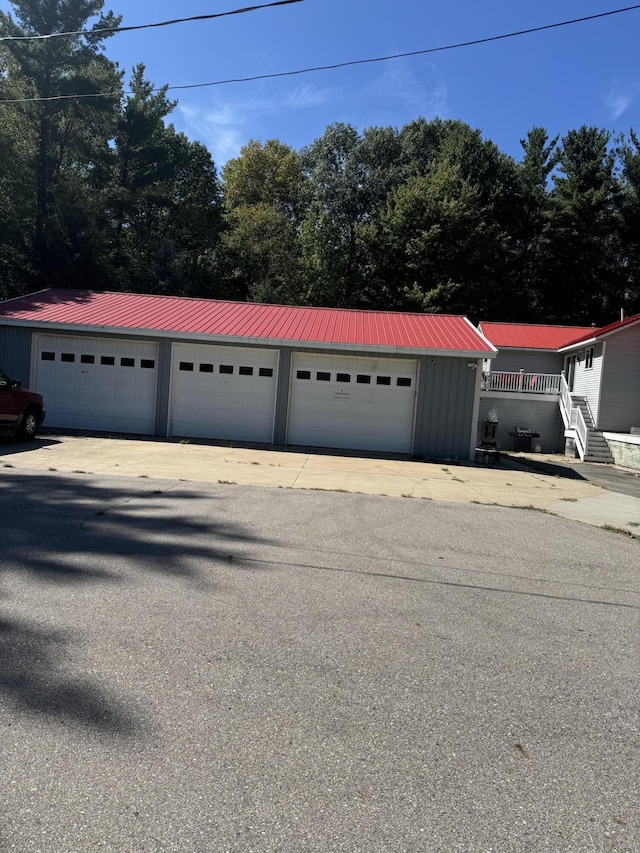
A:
x: 584, y: 74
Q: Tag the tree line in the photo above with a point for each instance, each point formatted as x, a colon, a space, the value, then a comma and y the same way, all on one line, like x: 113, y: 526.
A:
x: 104, y: 193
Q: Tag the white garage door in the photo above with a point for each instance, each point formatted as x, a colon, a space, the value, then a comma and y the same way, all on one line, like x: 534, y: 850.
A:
x: 352, y: 402
x: 223, y: 392
x: 97, y: 384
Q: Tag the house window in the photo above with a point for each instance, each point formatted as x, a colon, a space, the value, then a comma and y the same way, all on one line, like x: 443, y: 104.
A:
x: 588, y: 359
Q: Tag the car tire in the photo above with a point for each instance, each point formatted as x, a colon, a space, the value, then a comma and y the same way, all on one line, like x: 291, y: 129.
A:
x: 29, y: 427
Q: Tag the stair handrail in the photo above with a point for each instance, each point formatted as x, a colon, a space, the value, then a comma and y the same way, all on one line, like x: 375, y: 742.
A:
x: 565, y: 399
x: 573, y: 417
x: 582, y: 432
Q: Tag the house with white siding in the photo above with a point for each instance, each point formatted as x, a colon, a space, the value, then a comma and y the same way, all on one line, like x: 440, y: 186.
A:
x: 573, y: 388
x: 520, y: 388
x: 600, y: 392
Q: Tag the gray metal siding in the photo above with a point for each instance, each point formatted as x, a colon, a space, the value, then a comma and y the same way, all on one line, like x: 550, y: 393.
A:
x: 620, y: 401
x: 282, y: 396
x: 62, y: 333
x: 541, y: 416
x: 445, y: 408
x: 444, y: 401
x: 531, y: 361
x: 587, y: 382
x: 161, y: 424
x: 15, y: 352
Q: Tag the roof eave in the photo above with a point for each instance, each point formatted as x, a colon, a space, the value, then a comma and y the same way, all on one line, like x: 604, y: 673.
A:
x: 203, y: 337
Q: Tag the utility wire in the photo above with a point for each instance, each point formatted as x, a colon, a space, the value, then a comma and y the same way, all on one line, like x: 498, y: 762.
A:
x: 337, y: 64
x: 112, y: 30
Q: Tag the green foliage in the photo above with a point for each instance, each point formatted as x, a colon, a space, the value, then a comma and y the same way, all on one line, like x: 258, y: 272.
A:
x: 102, y: 192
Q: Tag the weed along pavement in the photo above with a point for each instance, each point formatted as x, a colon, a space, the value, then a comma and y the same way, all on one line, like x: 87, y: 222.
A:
x: 195, y: 665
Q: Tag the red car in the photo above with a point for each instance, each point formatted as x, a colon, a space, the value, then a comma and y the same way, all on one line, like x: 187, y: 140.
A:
x: 21, y: 411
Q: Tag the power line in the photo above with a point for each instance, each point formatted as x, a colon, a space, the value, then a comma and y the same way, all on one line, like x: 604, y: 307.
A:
x: 113, y: 30
x: 336, y: 65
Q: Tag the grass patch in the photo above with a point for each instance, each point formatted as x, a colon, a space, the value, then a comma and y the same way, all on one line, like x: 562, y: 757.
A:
x: 184, y: 441
x: 78, y: 471
x: 7, y: 465
x: 570, y: 500
x: 228, y: 482
x: 529, y: 507
x: 446, y: 470
x: 143, y: 476
x: 611, y: 528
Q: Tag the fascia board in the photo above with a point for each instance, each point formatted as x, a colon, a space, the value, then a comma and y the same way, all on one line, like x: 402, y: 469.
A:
x: 477, y: 331
x: 602, y: 337
x: 201, y: 337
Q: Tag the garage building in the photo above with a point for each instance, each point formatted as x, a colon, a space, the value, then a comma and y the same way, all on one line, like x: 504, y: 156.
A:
x: 239, y: 371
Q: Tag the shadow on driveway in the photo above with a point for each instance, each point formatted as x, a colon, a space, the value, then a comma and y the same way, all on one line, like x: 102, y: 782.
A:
x: 605, y: 476
x: 70, y: 531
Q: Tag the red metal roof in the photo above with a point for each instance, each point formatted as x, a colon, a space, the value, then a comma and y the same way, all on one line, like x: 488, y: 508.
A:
x: 596, y: 334
x: 532, y: 335
x: 248, y: 321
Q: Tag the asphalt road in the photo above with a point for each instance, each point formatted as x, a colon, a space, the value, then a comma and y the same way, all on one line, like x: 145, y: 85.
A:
x: 623, y: 481
x: 191, y: 667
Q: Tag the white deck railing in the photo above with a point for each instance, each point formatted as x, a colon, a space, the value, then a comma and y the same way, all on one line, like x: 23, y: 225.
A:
x: 521, y: 382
